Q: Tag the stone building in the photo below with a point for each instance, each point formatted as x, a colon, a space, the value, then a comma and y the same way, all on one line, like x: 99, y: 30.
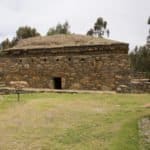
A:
x: 67, y: 62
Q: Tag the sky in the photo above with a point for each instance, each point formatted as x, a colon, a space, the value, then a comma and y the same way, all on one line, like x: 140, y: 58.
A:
x: 127, y: 19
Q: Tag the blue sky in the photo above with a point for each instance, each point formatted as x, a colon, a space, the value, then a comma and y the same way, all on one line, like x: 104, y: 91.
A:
x: 127, y: 19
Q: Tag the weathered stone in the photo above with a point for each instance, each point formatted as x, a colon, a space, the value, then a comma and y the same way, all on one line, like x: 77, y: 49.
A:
x: 26, y: 66
x: 102, y: 66
x: 78, y: 74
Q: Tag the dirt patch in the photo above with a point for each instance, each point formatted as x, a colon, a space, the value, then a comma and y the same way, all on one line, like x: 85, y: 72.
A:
x: 147, y: 105
x: 144, y: 132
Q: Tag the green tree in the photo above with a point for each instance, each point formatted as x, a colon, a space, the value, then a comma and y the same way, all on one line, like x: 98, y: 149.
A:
x: 21, y: 33
x: 148, y: 21
x: 26, y: 32
x: 5, y: 44
x: 100, y: 28
x: 90, y: 32
x: 59, y: 29
x: 14, y: 41
x: 8, y: 43
x: 140, y: 59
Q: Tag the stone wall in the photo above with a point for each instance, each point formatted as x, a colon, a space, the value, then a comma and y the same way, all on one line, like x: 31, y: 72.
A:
x: 86, y: 68
x: 139, y: 83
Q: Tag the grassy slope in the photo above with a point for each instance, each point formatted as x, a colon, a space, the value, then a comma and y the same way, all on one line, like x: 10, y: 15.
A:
x: 71, y: 121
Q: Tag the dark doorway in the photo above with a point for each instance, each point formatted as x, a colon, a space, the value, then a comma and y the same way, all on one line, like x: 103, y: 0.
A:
x: 57, y: 83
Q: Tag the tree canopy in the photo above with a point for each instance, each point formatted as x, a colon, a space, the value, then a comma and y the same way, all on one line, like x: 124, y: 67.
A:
x: 99, y: 28
x: 140, y: 59
x: 21, y: 33
x: 59, y: 29
x: 26, y: 32
x: 5, y: 44
x: 148, y: 21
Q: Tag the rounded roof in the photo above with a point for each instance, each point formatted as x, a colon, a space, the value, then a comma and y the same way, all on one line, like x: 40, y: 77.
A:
x: 62, y: 40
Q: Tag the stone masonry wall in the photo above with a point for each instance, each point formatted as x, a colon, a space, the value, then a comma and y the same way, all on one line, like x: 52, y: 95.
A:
x: 95, y: 70
x: 139, y: 83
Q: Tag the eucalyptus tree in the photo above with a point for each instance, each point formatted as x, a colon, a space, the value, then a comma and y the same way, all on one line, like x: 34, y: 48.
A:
x: 59, y: 29
x: 100, y: 28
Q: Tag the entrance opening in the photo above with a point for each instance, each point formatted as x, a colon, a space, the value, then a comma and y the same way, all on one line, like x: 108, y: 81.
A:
x: 57, y: 83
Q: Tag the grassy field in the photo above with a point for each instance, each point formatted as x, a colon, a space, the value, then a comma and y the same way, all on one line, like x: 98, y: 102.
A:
x: 71, y: 121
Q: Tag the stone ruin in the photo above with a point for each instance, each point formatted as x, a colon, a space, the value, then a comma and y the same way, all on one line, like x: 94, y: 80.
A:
x: 69, y: 62
x: 136, y: 85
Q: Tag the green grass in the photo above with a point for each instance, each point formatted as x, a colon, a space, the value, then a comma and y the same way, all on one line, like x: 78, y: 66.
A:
x: 71, y: 121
